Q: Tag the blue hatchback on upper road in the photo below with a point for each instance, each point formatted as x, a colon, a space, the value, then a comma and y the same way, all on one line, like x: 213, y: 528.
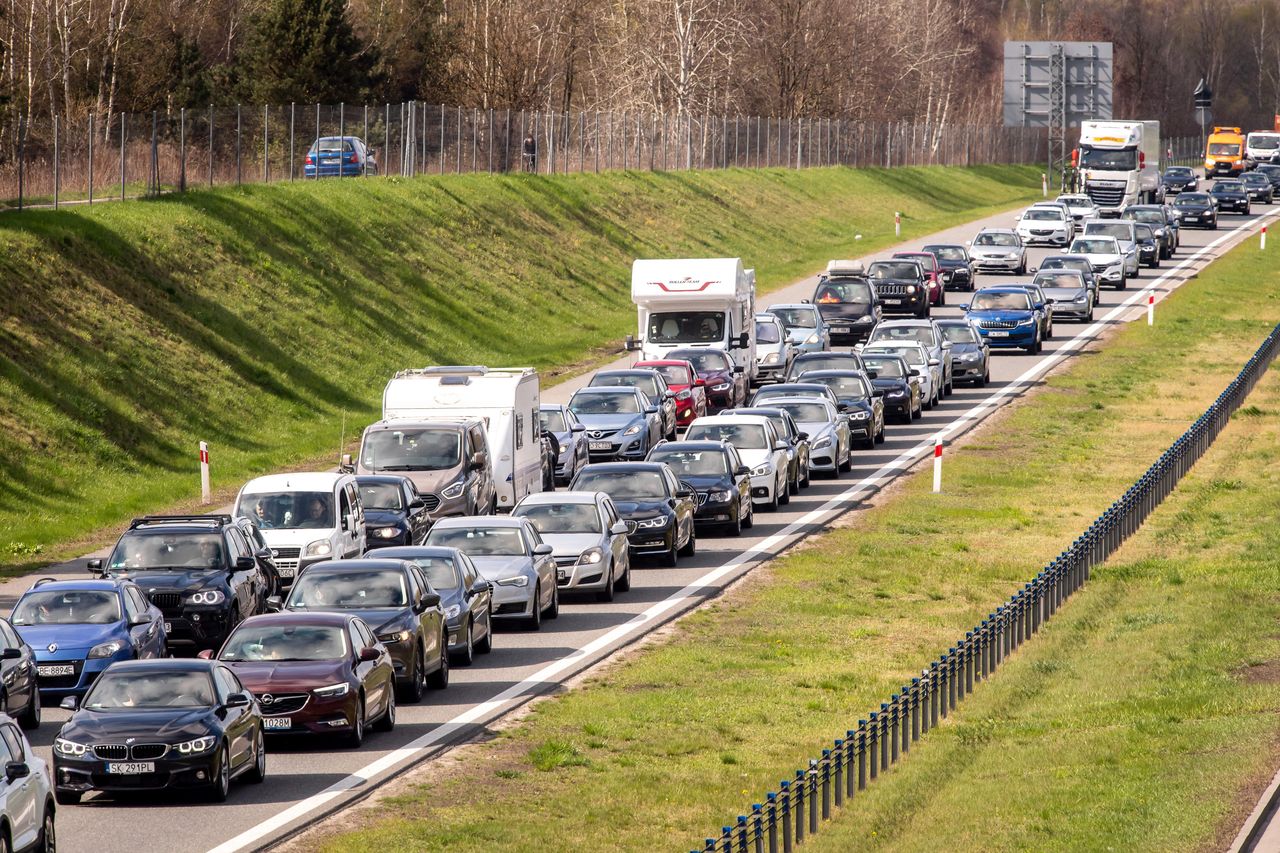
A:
x: 79, y: 628
x: 331, y: 156
x: 1006, y: 318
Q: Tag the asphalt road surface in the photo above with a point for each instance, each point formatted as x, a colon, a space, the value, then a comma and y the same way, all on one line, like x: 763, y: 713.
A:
x: 307, y: 780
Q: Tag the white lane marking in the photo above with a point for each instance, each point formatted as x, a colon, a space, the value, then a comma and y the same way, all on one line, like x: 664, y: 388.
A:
x: 762, y: 550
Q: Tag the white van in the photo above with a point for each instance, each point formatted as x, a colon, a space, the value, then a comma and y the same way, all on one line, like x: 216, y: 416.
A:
x: 305, y: 518
x: 709, y: 302
x: 1262, y: 146
x: 505, y: 398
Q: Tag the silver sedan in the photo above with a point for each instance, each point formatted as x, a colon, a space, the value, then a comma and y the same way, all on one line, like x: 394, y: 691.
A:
x: 588, y: 539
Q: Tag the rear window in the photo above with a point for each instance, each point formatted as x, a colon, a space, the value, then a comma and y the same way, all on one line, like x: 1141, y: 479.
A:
x: 767, y: 333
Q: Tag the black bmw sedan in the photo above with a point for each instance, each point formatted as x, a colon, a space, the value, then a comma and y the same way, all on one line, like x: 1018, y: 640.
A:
x: 1230, y: 195
x: 722, y: 480
x: 1197, y: 209
x: 657, y: 507
x: 159, y: 724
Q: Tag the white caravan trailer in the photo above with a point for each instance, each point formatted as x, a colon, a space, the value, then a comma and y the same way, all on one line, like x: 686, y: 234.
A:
x: 709, y: 302
x: 505, y: 398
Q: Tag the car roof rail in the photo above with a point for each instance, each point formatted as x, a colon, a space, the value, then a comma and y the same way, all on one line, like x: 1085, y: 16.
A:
x: 43, y: 581
x: 219, y: 519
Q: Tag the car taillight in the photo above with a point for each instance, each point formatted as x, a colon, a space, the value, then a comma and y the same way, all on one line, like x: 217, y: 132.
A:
x: 355, y: 158
x: 308, y: 160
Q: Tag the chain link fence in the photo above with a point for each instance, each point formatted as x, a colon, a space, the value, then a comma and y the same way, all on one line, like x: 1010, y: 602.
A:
x: 92, y: 157
x: 803, y: 802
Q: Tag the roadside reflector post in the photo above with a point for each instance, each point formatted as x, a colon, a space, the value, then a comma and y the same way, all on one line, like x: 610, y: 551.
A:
x: 897, y: 223
x: 1044, y: 184
x: 1151, y: 308
x: 937, y: 464
x: 1262, y: 244
x: 204, y: 473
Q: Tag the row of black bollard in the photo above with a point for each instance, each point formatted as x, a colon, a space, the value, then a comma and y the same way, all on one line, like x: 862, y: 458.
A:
x: 887, y: 735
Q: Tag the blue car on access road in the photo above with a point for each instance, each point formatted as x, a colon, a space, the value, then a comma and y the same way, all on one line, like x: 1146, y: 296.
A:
x: 339, y: 156
x: 1006, y: 318
x: 79, y: 628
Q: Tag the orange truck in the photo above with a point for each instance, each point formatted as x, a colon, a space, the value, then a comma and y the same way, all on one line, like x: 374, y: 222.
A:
x: 1224, y: 152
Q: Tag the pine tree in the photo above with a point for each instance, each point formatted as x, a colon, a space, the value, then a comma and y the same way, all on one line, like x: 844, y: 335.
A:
x: 304, y: 51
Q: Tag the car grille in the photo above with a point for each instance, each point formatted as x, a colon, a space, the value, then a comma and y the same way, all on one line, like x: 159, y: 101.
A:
x: 566, y: 561
x: 116, y: 781
x: 509, y: 608
x: 60, y: 681
x: 430, y: 502
x: 148, y: 751
x: 702, y: 497
x: 998, y: 324
x: 286, y: 553
x: 891, y: 289
x: 168, y: 602
x: 1100, y: 267
x: 282, y: 703
x: 111, y: 752
x: 1106, y: 196
x: 1041, y: 233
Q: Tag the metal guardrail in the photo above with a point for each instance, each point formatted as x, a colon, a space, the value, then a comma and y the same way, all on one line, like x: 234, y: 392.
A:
x: 886, y: 736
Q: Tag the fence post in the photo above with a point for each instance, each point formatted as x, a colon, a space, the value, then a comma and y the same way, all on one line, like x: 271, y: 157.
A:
x: 239, y: 127
x: 124, y: 132
x: 772, y: 799
x: 862, y: 755
x: 182, y: 151
x: 784, y: 788
x: 56, y: 157
x: 22, y: 157
x: 154, y: 178
x: 210, y: 146
x: 266, y: 144
x: 292, y: 144
x: 342, y: 137
x: 184, y: 164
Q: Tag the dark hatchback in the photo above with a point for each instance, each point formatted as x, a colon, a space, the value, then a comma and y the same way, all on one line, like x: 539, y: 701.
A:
x: 957, y: 269
x: 1079, y: 263
x: 808, y: 361
x: 970, y: 356
x: 467, y: 598
x: 902, y: 394
x: 849, y: 305
x: 165, y: 724
x: 657, y: 507
x: 726, y: 383
x: 394, y: 512
x: 1197, y: 209
x: 314, y: 673
x: 1230, y: 195
x: 1272, y: 171
x: 1177, y: 179
x: 394, y: 599
x: 860, y: 401
x: 717, y: 473
x: 1259, y: 187
x: 901, y: 286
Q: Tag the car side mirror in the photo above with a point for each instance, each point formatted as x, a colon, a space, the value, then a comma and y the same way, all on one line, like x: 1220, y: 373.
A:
x: 369, y: 653
x: 238, y: 700
x: 914, y: 372
x: 1050, y: 301
x: 685, y: 493
x: 542, y: 550
x: 11, y: 654
x: 842, y: 407
x: 701, y: 383
x: 245, y: 563
x: 431, y: 599
x: 946, y: 344
x: 873, y: 374
x: 782, y: 445
x: 964, y: 307
x: 803, y: 436
x: 578, y: 428
x: 669, y: 395
x: 347, y: 466
x: 478, y: 460
x: 139, y: 621
x: 933, y: 362
x: 69, y: 703
x: 275, y: 604
x: 16, y: 770
x: 652, y: 410
x: 94, y: 566
x: 205, y: 654
x: 738, y: 369
x: 417, y: 503
x: 619, y: 528
x: 481, y: 585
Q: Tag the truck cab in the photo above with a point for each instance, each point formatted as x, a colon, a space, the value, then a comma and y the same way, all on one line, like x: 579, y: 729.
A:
x: 1119, y: 163
x: 1224, y: 153
x: 1263, y: 146
x: 693, y: 303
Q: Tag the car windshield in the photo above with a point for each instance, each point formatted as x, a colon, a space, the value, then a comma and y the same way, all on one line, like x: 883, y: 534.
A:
x: 552, y: 421
x: 604, y: 404
x: 1189, y: 199
x: 1224, y: 149
x: 623, y: 485
x: 957, y: 333
x: 480, y: 541
x: 675, y: 374
x: 1094, y: 247
x: 441, y: 573
x: 1062, y: 279
x: 67, y: 607
x: 161, y: 549
x: 350, y: 589
x: 140, y: 689
x: 1121, y: 231
x: 919, y: 334
x: 1266, y: 143
x: 1255, y: 178
x: 845, y: 387
x: 1043, y: 214
x: 681, y: 327
x: 995, y: 240
x: 1145, y: 232
x: 1075, y: 200
x: 1081, y: 264
x: 288, y: 510
x: 693, y: 463
x: 1179, y: 172
x: 947, y: 253
x: 1149, y: 216
x: 704, y: 361
x: 562, y: 517
x: 767, y: 333
x: 411, y: 449
x: 1001, y: 302
x: 741, y: 436
x: 843, y: 292
x: 645, y: 383
x: 884, y: 270
x: 285, y: 643
x: 809, y: 413
x: 1227, y: 187
x: 1108, y: 159
x: 891, y: 368
x: 796, y: 318
x: 381, y: 496
x: 913, y: 356
x: 926, y: 262
x: 834, y: 361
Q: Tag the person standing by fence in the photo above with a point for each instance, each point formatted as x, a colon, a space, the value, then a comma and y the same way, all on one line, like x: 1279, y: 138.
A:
x: 530, y: 154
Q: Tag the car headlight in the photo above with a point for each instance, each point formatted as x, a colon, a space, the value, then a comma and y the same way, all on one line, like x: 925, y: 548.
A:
x: 453, y: 490
x: 651, y: 523
x: 1027, y: 322
x: 822, y: 443
x: 332, y: 691
x: 771, y: 358
x: 453, y: 611
x: 1081, y: 299
x: 762, y: 470
x: 318, y: 548
x: 590, y: 557
x: 106, y: 650
x: 684, y: 395
x: 865, y: 318
x: 723, y: 386
x: 897, y: 392
x: 813, y: 339
x: 911, y: 288
x: 401, y: 636
x: 720, y: 496
x: 386, y: 532
x: 970, y: 356
x: 518, y: 580
x: 632, y: 430
x: 208, y: 596
x: 197, y: 746
x: 859, y: 415
x: 70, y: 748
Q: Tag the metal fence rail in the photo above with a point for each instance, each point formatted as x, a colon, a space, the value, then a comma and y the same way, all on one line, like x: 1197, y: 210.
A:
x: 885, y: 737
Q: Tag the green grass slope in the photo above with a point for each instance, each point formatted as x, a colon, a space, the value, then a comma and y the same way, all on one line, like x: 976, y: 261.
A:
x: 262, y: 319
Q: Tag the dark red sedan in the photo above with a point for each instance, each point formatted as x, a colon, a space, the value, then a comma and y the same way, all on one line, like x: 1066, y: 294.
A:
x: 683, y: 380
x: 932, y: 271
x: 725, y: 383
x: 314, y: 673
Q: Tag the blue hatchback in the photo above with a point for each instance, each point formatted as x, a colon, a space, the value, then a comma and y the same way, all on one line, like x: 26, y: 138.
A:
x: 1006, y: 318
x: 339, y: 156
x: 79, y: 628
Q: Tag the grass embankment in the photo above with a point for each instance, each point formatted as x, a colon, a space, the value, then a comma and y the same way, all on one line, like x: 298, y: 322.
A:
x: 257, y: 318
x: 661, y: 749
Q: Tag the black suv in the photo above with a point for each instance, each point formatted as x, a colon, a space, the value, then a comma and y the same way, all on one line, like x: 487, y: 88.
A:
x: 201, y: 571
x: 901, y: 285
x: 849, y: 305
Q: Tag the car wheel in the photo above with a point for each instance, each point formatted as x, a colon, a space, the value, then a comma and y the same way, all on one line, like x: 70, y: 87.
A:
x: 942, y: 297
x: 534, y: 622
x: 880, y: 434
x: 671, y: 556
x: 221, y: 786
x: 412, y: 692
x: 734, y: 528
x: 793, y: 485
x: 750, y: 521
x: 1123, y: 278
x: 258, y: 773
x: 355, y: 737
x: 917, y: 412
x: 608, y: 593
x: 486, y: 645
x: 691, y: 546
x: 67, y: 798
x: 869, y: 443
x: 1048, y: 332
x: 467, y: 656
x: 784, y: 493
x: 624, y: 582
x: 30, y: 718
x: 439, y: 679
x: 808, y: 476
x: 553, y: 610
x: 48, y: 842
x: 772, y: 505
x: 387, y: 722
x: 848, y: 459
x: 982, y: 381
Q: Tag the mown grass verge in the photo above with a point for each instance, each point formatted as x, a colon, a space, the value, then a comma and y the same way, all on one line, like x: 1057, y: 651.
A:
x: 665, y: 747
x: 259, y: 319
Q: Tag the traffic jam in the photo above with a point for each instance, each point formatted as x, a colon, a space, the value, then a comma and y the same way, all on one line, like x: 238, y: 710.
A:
x: 324, y: 600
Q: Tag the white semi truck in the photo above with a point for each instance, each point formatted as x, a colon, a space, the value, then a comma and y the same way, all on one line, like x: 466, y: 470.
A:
x: 1119, y: 163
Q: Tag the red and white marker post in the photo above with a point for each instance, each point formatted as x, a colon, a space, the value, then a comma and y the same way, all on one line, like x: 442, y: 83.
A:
x: 1151, y: 307
x: 1262, y: 244
x: 937, y: 464
x: 897, y: 223
x: 204, y: 473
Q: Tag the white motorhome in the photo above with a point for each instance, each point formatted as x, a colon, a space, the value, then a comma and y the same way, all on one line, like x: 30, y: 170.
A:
x: 1262, y: 146
x: 708, y: 302
x: 1119, y: 163
x: 505, y: 398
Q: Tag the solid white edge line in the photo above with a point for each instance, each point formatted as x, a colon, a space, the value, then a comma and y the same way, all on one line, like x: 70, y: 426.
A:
x: 825, y: 513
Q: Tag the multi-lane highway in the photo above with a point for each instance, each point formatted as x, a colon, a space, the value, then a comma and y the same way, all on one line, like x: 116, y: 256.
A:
x: 307, y: 780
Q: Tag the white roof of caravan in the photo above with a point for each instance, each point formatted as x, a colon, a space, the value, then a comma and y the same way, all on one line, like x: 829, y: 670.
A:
x: 694, y: 278
x: 305, y: 481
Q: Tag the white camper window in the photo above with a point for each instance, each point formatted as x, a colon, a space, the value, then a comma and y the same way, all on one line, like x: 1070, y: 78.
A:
x: 519, y: 431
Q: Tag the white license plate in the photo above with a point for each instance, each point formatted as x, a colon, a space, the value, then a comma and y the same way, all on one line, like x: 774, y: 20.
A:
x: 893, y: 302
x: 601, y: 445
x: 168, y: 627
x: 52, y: 670
x: 998, y: 334
x: 132, y: 768
x: 561, y: 575
x: 270, y: 723
x: 287, y: 572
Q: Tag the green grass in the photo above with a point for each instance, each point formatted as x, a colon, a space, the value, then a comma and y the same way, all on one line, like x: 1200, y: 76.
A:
x: 261, y: 319
x: 1125, y: 725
